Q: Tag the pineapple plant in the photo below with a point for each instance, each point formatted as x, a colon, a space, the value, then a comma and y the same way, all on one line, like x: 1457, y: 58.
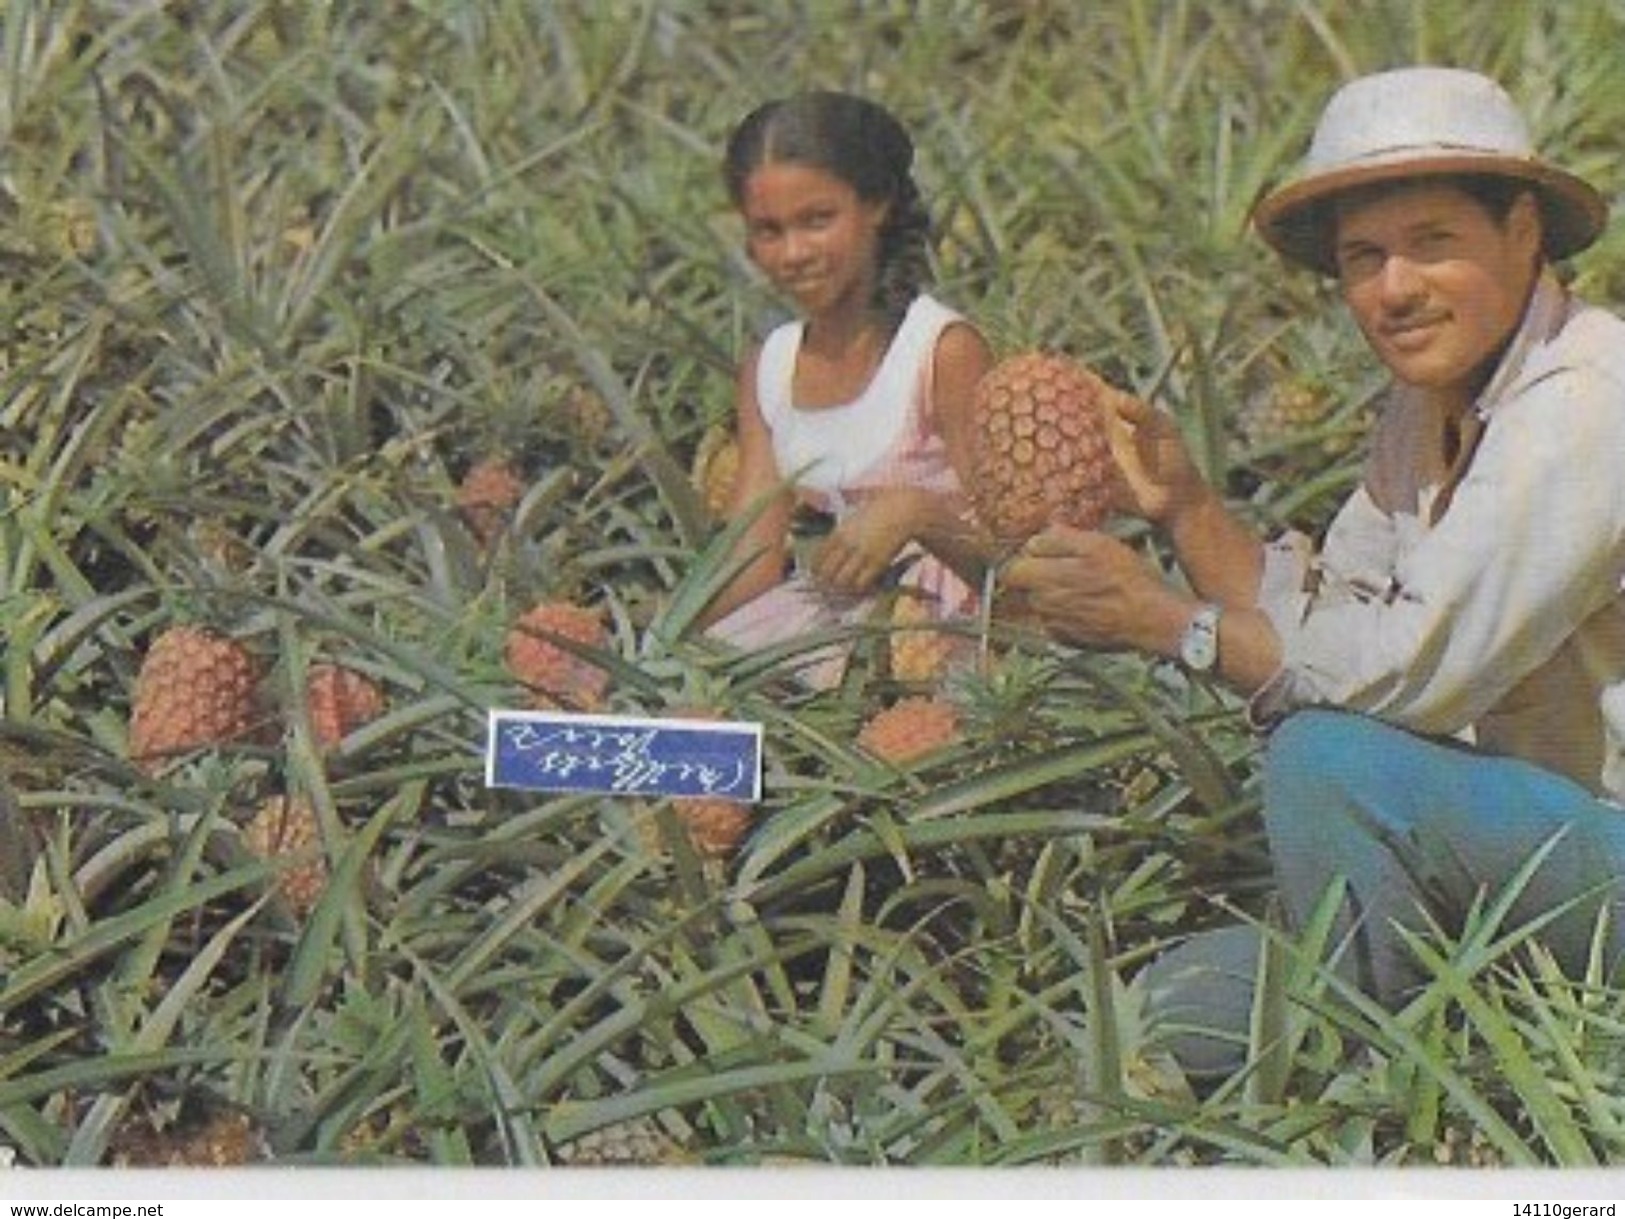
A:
x: 340, y: 700
x: 487, y: 496
x: 195, y: 689
x: 553, y: 676
x: 1040, y: 452
x: 910, y: 729
x: 716, y: 468
x: 284, y: 831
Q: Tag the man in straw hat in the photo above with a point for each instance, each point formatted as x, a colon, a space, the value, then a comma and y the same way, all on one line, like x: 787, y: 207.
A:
x: 1445, y: 675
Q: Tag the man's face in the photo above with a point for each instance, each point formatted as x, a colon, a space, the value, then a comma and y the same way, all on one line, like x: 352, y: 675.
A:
x: 1435, y: 281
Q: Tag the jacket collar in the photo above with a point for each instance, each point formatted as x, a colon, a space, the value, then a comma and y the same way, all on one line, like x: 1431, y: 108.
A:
x: 1548, y: 310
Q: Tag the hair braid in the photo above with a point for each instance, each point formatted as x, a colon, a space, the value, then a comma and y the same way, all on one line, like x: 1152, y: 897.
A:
x: 904, y: 254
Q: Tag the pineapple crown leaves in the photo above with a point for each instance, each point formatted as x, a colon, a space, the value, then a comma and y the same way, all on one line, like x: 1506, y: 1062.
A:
x: 31, y: 920
x: 1005, y: 698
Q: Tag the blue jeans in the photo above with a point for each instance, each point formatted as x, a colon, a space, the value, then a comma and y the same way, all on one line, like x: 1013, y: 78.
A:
x: 1419, y: 828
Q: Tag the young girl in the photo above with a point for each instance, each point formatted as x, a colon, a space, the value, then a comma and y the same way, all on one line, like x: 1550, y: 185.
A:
x: 863, y: 405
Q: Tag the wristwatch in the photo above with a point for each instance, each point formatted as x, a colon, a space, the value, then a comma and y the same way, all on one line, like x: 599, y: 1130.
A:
x: 1199, y: 645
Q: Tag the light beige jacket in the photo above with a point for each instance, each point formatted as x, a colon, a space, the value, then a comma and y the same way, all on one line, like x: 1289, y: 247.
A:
x: 1486, y: 605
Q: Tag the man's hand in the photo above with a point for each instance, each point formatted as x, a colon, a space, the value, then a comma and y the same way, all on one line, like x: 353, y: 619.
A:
x: 1089, y: 588
x: 1158, y: 480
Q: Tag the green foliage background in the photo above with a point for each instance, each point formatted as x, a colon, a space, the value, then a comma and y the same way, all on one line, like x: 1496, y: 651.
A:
x: 276, y: 274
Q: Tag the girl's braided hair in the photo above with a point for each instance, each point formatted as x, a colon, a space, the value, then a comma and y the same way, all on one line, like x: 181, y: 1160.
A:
x: 865, y: 146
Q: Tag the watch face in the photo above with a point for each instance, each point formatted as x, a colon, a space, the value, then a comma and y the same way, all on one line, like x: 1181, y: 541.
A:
x: 1199, y: 648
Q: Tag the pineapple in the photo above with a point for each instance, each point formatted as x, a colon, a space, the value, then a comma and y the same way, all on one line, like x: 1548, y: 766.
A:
x: 918, y: 653
x: 195, y: 689
x: 487, y: 497
x: 1283, y: 411
x: 554, y: 676
x: 910, y: 729
x: 389, y: 1133
x: 635, y: 1142
x: 220, y: 545
x: 339, y: 701
x: 714, y: 825
x: 70, y: 228
x: 716, y: 469
x: 284, y: 831
x: 587, y: 418
x: 225, y: 1140
x: 1040, y: 449
x: 1466, y: 1146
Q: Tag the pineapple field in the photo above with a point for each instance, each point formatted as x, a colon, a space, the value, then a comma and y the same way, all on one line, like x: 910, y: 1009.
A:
x: 369, y: 366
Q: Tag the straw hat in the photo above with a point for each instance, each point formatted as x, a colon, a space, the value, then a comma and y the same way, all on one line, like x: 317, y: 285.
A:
x: 1413, y: 122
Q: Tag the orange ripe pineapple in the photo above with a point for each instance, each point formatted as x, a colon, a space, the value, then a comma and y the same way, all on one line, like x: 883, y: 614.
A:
x: 195, y: 689
x: 554, y: 676
x: 918, y: 653
x: 487, y: 496
x: 340, y: 700
x: 284, y: 831
x: 910, y: 729
x: 1040, y: 451
x: 715, y: 826
x: 716, y: 467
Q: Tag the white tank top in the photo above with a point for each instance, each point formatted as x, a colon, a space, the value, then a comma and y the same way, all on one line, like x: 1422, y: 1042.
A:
x: 883, y: 437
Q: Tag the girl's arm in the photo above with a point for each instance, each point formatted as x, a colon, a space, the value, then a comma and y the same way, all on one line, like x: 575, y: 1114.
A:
x: 951, y: 532
x: 767, y: 538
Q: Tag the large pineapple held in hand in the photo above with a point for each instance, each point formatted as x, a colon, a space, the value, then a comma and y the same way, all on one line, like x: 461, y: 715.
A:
x: 1040, y: 449
x: 195, y: 689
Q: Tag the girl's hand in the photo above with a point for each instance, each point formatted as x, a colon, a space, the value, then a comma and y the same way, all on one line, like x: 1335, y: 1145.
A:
x: 1158, y: 479
x: 1089, y: 588
x: 858, y: 552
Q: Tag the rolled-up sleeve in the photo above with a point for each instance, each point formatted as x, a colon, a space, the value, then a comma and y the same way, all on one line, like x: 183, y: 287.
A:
x: 1300, y: 586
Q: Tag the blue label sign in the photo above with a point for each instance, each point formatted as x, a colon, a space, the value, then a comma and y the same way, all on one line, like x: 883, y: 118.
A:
x: 623, y: 755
